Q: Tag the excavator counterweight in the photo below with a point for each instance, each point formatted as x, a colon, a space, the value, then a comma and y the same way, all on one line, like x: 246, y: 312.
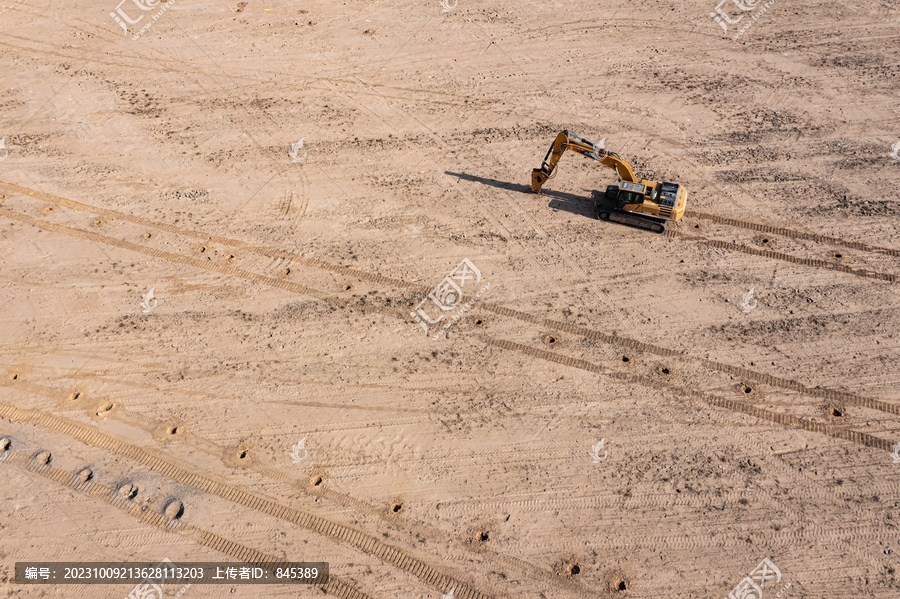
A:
x: 647, y: 204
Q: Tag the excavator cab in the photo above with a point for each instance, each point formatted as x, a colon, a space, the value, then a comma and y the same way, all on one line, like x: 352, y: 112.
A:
x: 626, y: 193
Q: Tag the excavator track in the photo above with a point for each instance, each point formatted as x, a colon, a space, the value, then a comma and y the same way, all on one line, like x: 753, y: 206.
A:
x: 641, y: 221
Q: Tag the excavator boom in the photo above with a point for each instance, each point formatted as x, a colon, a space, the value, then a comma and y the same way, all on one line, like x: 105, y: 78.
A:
x: 569, y: 141
x: 645, y: 203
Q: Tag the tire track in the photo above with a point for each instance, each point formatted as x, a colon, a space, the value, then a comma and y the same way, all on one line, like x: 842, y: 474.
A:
x: 170, y: 256
x: 240, y: 552
x: 814, y: 262
x: 373, y: 278
x: 158, y: 429
x: 155, y: 427
x: 439, y: 98
x: 847, y: 535
x: 633, y: 24
x: 264, y: 251
x: 534, y: 502
x: 763, y: 228
x: 612, y: 339
x: 737, y: 371
x: 187, y: 474
x: 73, y: 205
x: 824, y: 493
x: 721, y: 402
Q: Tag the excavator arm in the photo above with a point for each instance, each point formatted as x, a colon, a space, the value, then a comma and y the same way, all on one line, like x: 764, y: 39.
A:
x: 569, y: 141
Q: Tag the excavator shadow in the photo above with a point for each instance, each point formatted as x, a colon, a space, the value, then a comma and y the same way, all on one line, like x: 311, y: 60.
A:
x: 568, y: 202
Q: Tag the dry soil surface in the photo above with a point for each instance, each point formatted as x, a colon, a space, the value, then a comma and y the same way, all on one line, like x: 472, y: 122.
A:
x: 217, y: 221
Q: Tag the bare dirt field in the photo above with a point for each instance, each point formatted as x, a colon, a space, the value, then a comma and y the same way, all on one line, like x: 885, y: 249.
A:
x: 220, y: 224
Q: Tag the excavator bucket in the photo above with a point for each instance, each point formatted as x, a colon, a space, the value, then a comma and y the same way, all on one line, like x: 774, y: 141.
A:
x: 538, y: 177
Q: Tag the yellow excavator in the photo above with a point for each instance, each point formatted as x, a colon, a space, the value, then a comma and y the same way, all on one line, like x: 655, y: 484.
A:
x: 646, y: 204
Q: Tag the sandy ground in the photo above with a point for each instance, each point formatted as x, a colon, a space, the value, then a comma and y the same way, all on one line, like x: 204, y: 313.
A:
x: 618, y: 414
